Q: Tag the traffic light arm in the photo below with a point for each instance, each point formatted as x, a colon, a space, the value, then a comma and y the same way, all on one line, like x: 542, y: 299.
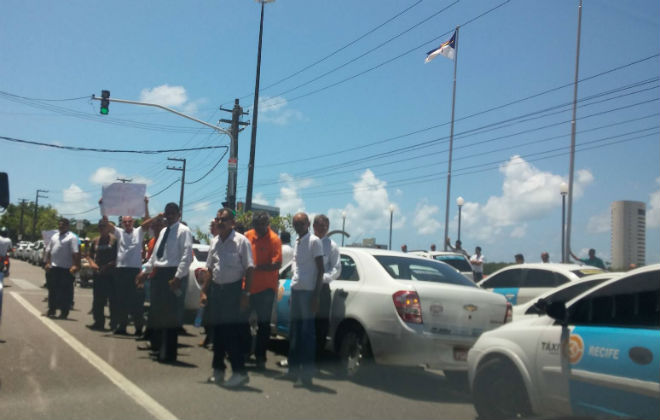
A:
x: 124, y: 101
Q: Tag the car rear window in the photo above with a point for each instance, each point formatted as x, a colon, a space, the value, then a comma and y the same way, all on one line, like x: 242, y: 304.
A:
x: 456, y: 261
x: 201, y: 255
x: 404, y: 268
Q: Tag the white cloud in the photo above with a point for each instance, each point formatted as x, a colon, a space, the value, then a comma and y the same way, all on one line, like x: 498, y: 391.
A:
x: 424, y: 221
x: 289, y: 200
x: 275, y: 110
x: 653, y: 212
x: 106, y: 175
x: 259, y: 199
x: 165, y: 95
x: 201, y: 206
x: 75, y: 200
x: 370, y: 210
x: 527, y: 194
x: 599, y: 223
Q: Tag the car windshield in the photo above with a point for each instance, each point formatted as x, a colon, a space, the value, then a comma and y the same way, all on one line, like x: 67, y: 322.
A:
x: 457, y: 261
x: 404, y: 268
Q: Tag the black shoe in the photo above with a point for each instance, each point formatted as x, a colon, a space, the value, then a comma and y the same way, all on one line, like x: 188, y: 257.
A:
x: 96, y: 327
x: 64, y: 315
x: 120, y: 331
x: 50, y: 313
x: 138, y: 332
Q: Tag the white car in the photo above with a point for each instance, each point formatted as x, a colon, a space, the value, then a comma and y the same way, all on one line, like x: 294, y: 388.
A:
x: 401, y: 309
x: 564, y: 293
x: 200, y: 254
x: 520, y: 283
x: 596, y: 356
x: 456, y: 259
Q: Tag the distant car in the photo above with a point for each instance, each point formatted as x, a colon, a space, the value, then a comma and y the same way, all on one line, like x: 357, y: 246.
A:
x: 21, y: 250
x: 598, y: 355
x: 456, y: 259
x: 200, y: 254
x: 401, y: 309
x: 520, y: 283
x: 564, y: 293
x: 37, y: 253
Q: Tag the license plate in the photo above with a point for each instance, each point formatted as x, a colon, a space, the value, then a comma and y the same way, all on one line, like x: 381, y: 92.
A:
x: 460, y: 354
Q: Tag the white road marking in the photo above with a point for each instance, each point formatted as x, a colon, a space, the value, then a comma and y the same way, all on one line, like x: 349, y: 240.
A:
x: 23, y: 284
x: 123, y: 383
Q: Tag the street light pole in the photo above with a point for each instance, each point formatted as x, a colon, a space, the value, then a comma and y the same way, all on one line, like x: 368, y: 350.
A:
x: 255, y: 113
x: 460, y: 203
x: 343, y: 225
x: 563, y: 190
x: 391, y: 217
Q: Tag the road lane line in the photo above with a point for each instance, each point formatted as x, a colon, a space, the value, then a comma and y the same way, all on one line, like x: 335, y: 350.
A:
x: 23, y: 284
x: 123, y: 383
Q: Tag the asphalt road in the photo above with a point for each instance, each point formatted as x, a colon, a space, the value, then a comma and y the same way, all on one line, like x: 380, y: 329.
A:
x: 59, y: 369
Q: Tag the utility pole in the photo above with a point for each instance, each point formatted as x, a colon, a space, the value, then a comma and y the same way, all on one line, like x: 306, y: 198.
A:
x: 232, y: 163
x: 36, y: 209
x: 183, y: 180
x: 20, y: 230
x: 124, y: 180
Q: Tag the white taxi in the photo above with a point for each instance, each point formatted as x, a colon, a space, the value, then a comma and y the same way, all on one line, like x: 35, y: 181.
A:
x: 596, y: 356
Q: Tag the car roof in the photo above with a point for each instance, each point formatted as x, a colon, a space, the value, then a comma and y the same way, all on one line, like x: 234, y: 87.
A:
x: 201, y: 247
x: 378, y: 251
x: 558, y: 267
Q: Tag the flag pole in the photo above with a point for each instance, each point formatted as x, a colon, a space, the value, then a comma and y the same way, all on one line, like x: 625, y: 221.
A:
x: 451, y: 139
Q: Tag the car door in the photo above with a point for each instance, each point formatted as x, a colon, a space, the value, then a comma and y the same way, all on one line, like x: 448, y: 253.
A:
x: 282, y: 310
x: 506, y: 283
x: 536, y: 281
x: 613, y: 351
x: 343, y: 290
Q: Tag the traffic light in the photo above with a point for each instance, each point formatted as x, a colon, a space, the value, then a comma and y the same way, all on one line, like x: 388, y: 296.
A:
x: 105, y: 103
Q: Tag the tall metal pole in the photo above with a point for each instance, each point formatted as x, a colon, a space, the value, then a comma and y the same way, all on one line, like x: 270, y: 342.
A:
x: 343, y: 225
x: 255, y: 111
x: 391, y: 216
x: 183, y: 181
x: 451, y: 141
x: 232, y: 163
x: 563, y: 228
x: 36, y: 208
x: 569, y: 217
x: 459, y: 222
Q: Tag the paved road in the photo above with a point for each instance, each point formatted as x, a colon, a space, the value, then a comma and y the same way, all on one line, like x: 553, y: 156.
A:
x: 59, y: 369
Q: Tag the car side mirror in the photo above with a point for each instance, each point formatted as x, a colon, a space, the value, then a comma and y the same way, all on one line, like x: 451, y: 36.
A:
x: 557, y: 311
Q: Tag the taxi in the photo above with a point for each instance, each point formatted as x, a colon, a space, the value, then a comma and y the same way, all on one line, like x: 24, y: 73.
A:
x: 597, y: 355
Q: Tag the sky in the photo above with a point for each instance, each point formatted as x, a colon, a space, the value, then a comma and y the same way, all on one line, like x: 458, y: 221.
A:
x: 351, y: 119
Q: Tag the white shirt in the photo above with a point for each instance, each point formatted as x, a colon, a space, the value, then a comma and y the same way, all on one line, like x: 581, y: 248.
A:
x: 477, y: 268
x: 229, y: 259
x: 178, y: 250
x: 61, y: 249
x: 129, y: 247
x: 304, y: 262
x: 5, y: 244
x: 331, y: 260
x: 287, y: 254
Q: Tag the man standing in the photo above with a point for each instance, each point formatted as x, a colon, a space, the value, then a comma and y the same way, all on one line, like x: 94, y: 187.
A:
x: 520, y: 258
x: 306, y: 285
x: 477, y: 262
x: 545, y: 257
x: 230, y: 259
x: 171, y: 262
x: 129, y: 260
x: 102, y: 257
x: 62, y: 262
x: 267, y: 256
x: 287, y: 250
x: 331, y: 271
x: 458, y: 247
x: 593, y: 260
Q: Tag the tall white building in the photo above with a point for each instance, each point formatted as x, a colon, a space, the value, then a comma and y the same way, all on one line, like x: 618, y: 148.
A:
x: 628, y: 234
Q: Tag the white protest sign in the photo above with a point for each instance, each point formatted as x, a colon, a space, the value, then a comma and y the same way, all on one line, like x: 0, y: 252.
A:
x: 46, y: 235
x: 124, y: 199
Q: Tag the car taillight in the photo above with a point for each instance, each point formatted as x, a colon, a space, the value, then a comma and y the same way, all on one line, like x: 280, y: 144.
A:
x: 198, y: 276
x: 408, y: 306
x: 508, y: 316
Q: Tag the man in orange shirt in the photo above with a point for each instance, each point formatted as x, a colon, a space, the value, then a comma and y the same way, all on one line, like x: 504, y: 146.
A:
x: 267, y: 255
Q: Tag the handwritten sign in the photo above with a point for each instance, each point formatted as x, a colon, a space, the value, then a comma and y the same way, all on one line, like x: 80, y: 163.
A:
x: 124, y: 199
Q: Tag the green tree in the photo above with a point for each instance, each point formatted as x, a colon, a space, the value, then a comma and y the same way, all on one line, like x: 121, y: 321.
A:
x: 277, y: 223
x: 11, y: 219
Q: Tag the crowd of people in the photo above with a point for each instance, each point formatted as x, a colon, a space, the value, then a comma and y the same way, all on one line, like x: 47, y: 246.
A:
x: 240, y: 280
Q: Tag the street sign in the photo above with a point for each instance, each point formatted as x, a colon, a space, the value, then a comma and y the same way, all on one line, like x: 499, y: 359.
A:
x: 232, y: 163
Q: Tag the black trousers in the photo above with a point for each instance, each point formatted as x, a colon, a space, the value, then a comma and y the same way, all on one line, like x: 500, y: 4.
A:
x: 163, y: 319
x: 262, y: 304
x: 322, y: 320
x: 60, y: 290
x: 102, y: 290
x: 225, y: 305
x: 127, y: 297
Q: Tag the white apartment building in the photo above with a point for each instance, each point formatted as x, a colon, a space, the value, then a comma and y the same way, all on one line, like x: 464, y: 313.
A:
x: 628, y: 234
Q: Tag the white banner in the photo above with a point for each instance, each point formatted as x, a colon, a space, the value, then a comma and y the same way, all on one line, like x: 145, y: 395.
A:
x: 124, y: 199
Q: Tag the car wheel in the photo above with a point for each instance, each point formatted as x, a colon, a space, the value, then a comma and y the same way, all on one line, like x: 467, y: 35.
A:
x: 354, y: 352
x: 499, y: 392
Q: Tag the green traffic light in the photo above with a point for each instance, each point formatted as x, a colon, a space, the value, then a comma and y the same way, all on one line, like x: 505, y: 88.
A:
x: 104, y: 111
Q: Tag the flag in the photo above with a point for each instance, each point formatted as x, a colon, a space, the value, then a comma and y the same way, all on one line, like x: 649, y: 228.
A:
x: 448, y: 49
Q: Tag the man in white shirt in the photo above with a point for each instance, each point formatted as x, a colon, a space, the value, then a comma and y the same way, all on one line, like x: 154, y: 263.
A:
x: 287, y: 250
x: 229, y: 260
x: 62, y: 262
x: 171, y: 262
x: 331, y: 271
x: 306, y: 284
x: 477, y: 262
x: 124, y: 297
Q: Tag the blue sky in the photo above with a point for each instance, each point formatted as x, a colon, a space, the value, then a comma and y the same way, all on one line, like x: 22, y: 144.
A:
x: 364, y: 128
